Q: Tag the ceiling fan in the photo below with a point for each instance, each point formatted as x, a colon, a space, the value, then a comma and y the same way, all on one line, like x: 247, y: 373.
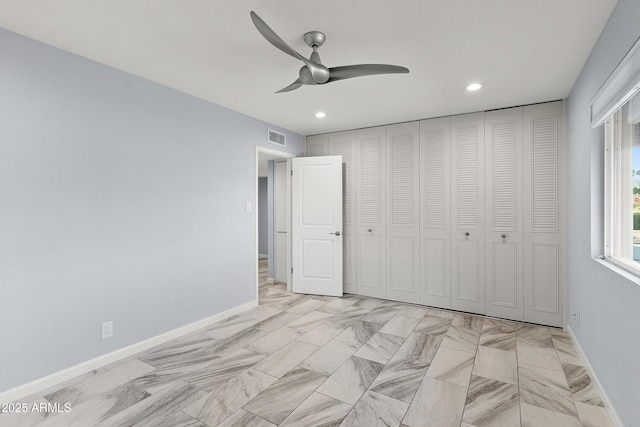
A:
x: 313, y: 72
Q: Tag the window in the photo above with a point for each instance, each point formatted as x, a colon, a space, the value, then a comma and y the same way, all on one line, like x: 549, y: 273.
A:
x: 617, y: 106
x: 622, y: 186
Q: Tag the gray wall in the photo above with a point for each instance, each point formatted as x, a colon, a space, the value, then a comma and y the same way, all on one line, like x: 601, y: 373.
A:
x: 609, y: 304
x: 120, y: 200
x: 263, y: 217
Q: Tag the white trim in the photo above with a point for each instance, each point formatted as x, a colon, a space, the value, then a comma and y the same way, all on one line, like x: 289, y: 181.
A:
x: 618, y: 269
x: 280, y: 172
x: 283, y: 155
x: 289, y: 228
x: 613, y: 415
x: 59, y: 377
x: 631, y: 268
x: 564, y: 209
x: 622, y: 84
x: 608, y: 189
x: 273, y: 152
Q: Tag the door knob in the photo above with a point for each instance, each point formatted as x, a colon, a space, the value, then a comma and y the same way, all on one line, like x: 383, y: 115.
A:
x: 337, y: 233
x: 466, y: 234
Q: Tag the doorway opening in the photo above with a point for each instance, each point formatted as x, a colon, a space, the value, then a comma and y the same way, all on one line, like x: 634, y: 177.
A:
x: 272, y: 235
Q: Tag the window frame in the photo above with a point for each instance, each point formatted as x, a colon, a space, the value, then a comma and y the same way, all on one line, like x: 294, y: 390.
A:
x: 618, y: 146
x: 607, y: 108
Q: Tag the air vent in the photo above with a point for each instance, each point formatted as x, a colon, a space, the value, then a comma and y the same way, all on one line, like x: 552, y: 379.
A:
x: 276, y: 137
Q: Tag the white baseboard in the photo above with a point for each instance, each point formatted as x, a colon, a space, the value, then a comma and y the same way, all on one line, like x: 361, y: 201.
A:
x: 270, y: 280
x: 59, y: 377
x: 613, y: 415
x: 263, y: 256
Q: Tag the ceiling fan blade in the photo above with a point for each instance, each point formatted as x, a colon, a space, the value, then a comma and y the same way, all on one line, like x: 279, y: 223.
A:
x: 292, y: 86
x: 349, y: 71
x: 316, y: 70
x: 273, y: 38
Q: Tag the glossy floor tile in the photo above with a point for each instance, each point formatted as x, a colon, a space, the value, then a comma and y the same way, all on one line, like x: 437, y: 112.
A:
x: 436, y: 403
x: 318, y: 410
x: 289, y: 391
x: 491, y: 402
x: 452, y: 366
x: 330, y: 357
x: 401, y: 378
x: 306, y: 360
x: 376, y: 409
x: 349, y: 382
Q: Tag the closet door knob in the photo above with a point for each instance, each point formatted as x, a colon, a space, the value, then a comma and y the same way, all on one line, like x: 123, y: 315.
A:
x: 466, y: 234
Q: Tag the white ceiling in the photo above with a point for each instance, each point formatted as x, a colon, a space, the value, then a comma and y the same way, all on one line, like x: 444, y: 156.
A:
x: 523, y: 51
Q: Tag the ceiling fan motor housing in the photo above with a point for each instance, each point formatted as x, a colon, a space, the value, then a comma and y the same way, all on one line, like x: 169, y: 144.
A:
x: 319, y: 74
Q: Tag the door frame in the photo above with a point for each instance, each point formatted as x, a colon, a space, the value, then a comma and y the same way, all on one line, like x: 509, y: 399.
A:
x: 280, y: 184
x: 278, y: 155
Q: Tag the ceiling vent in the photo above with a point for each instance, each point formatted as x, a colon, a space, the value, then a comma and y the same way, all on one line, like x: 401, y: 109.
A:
x: 276, y: 137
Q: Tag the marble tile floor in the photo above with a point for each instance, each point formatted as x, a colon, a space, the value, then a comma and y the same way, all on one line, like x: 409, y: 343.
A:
x: 303, y: 360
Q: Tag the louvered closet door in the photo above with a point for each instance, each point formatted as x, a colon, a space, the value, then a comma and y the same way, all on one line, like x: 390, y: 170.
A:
x: 467, y: 205
x: 343, y: 144
x: 435, y: 213
x: 370, y: 185
x: 543, y: 292
x: 317, y: 145
x: 403, y: 230
x: 504, y: 233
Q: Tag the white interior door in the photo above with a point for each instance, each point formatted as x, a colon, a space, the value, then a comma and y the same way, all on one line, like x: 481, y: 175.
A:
x: 316, y: 210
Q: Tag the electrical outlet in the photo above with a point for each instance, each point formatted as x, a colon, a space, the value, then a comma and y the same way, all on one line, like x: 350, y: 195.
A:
x: 575, y: 314
x: 107, y: 330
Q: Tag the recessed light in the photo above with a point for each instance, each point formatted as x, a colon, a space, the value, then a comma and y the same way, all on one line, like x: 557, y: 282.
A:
x: 474, y: 86
x: 320, y: 114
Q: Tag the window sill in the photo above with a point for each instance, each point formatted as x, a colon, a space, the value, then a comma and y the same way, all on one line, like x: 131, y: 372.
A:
x: 619, y: 270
